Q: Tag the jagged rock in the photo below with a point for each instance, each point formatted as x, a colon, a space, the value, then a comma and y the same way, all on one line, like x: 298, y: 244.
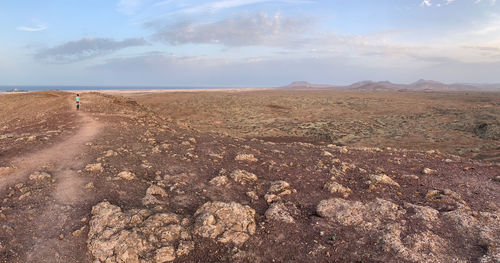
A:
x: 150, y: 198
x: 253, y: 195
x: 279, y: 212
x: 334, y: 187
x: 219, y: 180
x: 94, y: 167
x: 226, y: 222
x: 352, y: 213
x: 156, y: 190
x: 433, y: 195
x: 418, y: 247
x: 381, y: 178
x: 243, y: 177
x: 277, y: 190
x: 246, y: 157
x: 126, y: 175
x: 40, y: 176
x: 135, y: 235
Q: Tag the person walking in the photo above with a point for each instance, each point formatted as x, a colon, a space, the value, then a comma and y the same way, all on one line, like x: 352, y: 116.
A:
x: 77, y: 101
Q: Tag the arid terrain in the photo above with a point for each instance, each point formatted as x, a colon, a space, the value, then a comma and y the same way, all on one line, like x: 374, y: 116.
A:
x: 268, y: 176
x: 465, y: 124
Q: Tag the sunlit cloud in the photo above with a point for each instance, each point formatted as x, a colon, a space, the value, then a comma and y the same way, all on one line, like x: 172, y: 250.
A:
x: 32, y: 29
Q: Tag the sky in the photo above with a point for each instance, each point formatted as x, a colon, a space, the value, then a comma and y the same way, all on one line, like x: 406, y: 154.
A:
x: 247, y: 43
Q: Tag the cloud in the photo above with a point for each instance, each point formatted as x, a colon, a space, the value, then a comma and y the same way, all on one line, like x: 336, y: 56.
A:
x: 225, y: 4
x: 32, y: 29
x: 426, y: 3
x: 85, y: 48
x: 244, y: 30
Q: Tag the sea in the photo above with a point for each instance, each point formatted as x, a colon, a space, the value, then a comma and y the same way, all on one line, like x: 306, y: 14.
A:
x: 42, y: 88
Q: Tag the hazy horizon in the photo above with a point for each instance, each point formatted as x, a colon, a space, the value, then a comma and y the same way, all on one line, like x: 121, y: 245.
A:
x: 247, y: 43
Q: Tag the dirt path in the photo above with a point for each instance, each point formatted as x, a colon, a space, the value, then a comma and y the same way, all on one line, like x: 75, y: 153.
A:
x: 67, y: 196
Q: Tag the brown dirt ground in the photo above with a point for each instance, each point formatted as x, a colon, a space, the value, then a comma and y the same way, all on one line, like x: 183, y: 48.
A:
x: 133, y: 131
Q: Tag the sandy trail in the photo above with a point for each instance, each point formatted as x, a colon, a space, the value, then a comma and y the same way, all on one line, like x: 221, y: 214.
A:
x: 62, y: 160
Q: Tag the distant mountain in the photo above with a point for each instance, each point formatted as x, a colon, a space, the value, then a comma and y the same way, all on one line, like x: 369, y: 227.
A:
x: 420, y: 85
x: 300, y: 85
x: 375, y: 86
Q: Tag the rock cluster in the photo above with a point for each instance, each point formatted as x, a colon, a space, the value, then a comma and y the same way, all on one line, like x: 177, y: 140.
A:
x: 277, y: 189
x: 137, y: 235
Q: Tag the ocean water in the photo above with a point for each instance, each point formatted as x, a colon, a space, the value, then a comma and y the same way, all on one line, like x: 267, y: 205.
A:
x: 41, y: 88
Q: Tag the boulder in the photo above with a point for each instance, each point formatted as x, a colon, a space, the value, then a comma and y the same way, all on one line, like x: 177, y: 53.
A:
x: 279, y: 212
x: 135, y: 235
x: 353, y: 213
x: 226, y: 222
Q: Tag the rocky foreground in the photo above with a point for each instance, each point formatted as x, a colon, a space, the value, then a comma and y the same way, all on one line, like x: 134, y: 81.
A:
x: 157, y: 191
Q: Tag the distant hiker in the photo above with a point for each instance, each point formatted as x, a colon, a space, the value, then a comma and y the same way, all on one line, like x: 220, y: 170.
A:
x: 77, y: 101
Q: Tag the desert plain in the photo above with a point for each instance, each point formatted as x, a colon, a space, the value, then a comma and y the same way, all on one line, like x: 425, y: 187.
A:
x: 250, y: 176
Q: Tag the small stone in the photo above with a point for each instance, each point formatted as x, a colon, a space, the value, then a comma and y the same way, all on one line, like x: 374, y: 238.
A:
x: 39, y: 176
x: 334, y: 187
x: 410, y: 176
x: 381, y: 178
x: 428, y: 171
x: 126, y: 175
x: 497, y: 178
x: 61, y: 237
x: 156, y: 190
x: 89, y: 185
x: 245, y: 157
x: 242, y: 176
x: 94, y: 167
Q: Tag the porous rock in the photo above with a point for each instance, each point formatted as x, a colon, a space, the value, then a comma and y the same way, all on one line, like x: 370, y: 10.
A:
x: 39, y: 176
x: 354, y: 213
x: 219, y: 180
x: 381, y: 178
x: 134, y: 236
x: 279, y: 212
x: 94, y: 167
x: 126, y: 175
x: 334, y: 187
x: 226, y: 222
x: 243, y: 177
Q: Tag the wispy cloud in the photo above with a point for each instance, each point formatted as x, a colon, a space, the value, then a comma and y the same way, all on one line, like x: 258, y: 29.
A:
x: 85, y: 48
x: 243, y: 30
x: 32, y: 29
x: 225, y: 4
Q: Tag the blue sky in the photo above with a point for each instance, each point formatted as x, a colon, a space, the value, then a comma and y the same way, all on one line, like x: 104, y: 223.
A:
x: 247, y: 42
